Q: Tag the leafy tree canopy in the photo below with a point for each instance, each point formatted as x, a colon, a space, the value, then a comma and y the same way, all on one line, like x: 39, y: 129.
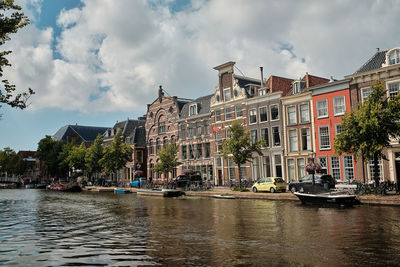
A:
x: 94, y: 155
x: 8, y: 25
x: 168, y: 159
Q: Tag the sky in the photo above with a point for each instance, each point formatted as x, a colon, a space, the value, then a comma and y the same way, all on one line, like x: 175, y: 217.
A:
x: 96, y: 62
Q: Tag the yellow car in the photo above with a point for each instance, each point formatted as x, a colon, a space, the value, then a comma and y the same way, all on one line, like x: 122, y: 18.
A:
x: 271, y: 184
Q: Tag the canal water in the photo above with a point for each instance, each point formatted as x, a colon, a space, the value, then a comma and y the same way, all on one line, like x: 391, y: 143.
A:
x: 45, y: 228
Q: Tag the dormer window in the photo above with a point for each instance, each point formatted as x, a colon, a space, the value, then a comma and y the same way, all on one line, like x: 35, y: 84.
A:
x: 262, y: 91
x: 193, y: 110
x: 297, y: 86
x: 227, y: 94
x: 394, y: 57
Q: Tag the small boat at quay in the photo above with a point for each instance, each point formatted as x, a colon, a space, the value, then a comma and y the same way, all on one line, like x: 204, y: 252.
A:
x: 223, y: 196
x: 161, y: 192
x: 121, y: 191
x: 65, y: 187
x: 317, y: 195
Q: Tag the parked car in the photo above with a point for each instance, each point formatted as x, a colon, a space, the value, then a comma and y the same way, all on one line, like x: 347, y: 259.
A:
x: 271, y: 184
x: 320, y: 179
x: 185, y: 180
x: 138, y: 182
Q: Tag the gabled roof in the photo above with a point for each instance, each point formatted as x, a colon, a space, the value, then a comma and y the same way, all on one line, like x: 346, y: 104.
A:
x: 132, y: 130
x: 375, y: 62
x: 243, y: 81
x: 86, y: 134
x: 203, y: 106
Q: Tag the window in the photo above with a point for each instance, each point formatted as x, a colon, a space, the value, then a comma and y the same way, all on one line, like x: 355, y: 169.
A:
x: 324, y: 164
x: 183, y: 131
x: 193, y: 110
x: 218, y: 137
x: 365, y: 92
x: 191, y: 130
x: 227, y: 94
x: 239, y: 112
x: 293, y: 140
x: 304, y: 113
x: 291, y: 170
x: 300, y: 168
x: 338, y: 129
x: 276, y: 136
x: 291, y: 115
x: 394, y: 57
x: 161, y: 127
x: 151, y: 147
x: 191, y: 152
x: 255, y: 169
x: 218, y: 115
x: 371, y: 168
x: 393, y: 89
x: 264, y: 135
x: 262, y: 91
x: 252, y: 116
x: 206, y: 127
x: 207, y: 150
x: 348, y: 167
x: 242, y: 172
x: 158, y: 145
x: 228, y: 113
x: 139, y: 156
x: 266, y: 166
x: 278, y: 165
x: 199, y: 150
x: 253, y: 136
x: 335, y: 166
x: 151, y: 170
x: 274, y: 112
x: 324, y: 138
x: 322, y: 108
x: 198, y: 129
x: 263, y: 114
x: 305, y: 139
x: 297, y: 87
x: 231, y: 166
x: 184, y: 152
x: 339, y: 106
x: 165, y: 141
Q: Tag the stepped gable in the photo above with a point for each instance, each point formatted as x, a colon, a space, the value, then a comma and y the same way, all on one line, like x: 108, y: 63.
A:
x: 375, y: 62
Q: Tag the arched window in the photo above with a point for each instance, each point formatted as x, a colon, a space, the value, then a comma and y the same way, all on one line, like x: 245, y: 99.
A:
x: 158, y: 145
x: 151, y: 147
x: 165, y: 141
x: 394, y: 57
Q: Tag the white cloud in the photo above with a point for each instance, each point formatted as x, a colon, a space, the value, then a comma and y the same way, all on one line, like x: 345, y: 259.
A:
x: 116, y: 53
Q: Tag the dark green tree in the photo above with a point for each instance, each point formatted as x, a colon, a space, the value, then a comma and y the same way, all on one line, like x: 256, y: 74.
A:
x: 93, y: 156
x: 168, y: 159
x: 368, y: 130
x: 11, y: 20
x: 48, y: 152
x: 116, y: 155
x: 239, y: 147
x: 8, y: 159
x: 76, y: 157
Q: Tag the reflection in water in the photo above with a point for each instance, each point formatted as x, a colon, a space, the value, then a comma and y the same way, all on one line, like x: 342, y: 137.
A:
x: 44, y: 228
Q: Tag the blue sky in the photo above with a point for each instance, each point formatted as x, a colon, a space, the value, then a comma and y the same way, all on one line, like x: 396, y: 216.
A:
x: 98, y: 62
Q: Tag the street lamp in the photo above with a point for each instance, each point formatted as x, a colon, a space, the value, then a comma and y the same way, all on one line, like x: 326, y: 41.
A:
x: 312, y: 155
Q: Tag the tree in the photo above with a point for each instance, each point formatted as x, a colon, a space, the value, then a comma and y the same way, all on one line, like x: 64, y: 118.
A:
x: 94, y: 155
x: 8, y: 159
x: 76, y: 157
x: 48, y: 152
x: 168, y: 159
x: 11, y: 24
x: 367, y: 130
x: 239, y: 147
x: 116, y: 155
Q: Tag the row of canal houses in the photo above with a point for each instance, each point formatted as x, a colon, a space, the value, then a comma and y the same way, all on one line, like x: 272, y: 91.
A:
x: 298, y: 119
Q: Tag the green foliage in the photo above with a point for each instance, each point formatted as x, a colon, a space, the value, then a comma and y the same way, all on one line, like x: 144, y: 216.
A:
x: 238, y: 146
x: 76, y: 157
x: 94, y: 155
x: 367, y: 130
x: 240, y: 189
x: 8, y: 25
x: 48, y: 151
x: 11, y: 163
x: 168, y: 159
x: 116, y: 155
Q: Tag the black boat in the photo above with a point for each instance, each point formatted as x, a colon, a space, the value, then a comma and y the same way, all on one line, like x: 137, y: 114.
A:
x: 318, y: 195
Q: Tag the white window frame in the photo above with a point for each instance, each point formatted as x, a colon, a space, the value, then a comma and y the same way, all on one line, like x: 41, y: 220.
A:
x: 237, y: 111
x: 216, y: 116
x: 296, y: 87
x: 231, y: 112
x: 270, y: 112
x: 193, y: 110
x: 388, y: 85
x: 336, y: 128
x: 293, y: 141
x: 261, y: 136
x: 308, y: 139
x: 301, y: 169
x: 252, y: 135
x: 319, y: 138
x: 262, y: 91
x: 323, y: 166
x: 301, y: 113
x: 325, y: 114
x: 370, y: 168
x: 335, y: 167
x: 229, y: 94
x: 339, y: 110
x: 290, y: 110
x: 266, y: 113
x: 347, y: 168
x: 273, y: 139
x: 396, y: 57
x: 365, y: 90
x: 291, y: 169
x: 250, y: 115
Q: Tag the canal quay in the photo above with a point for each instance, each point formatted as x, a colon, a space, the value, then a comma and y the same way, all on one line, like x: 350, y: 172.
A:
x: 48, y: 228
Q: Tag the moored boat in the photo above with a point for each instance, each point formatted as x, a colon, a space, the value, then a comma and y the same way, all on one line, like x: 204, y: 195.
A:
x: 224, y: 196
x: 121, y: 191
x: 66, y: 187
x: 161, y: 192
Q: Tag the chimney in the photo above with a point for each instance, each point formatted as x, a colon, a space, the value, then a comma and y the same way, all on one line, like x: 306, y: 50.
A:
x: 160, y: 93
x: 175, y: 99
x: 262, y: 78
